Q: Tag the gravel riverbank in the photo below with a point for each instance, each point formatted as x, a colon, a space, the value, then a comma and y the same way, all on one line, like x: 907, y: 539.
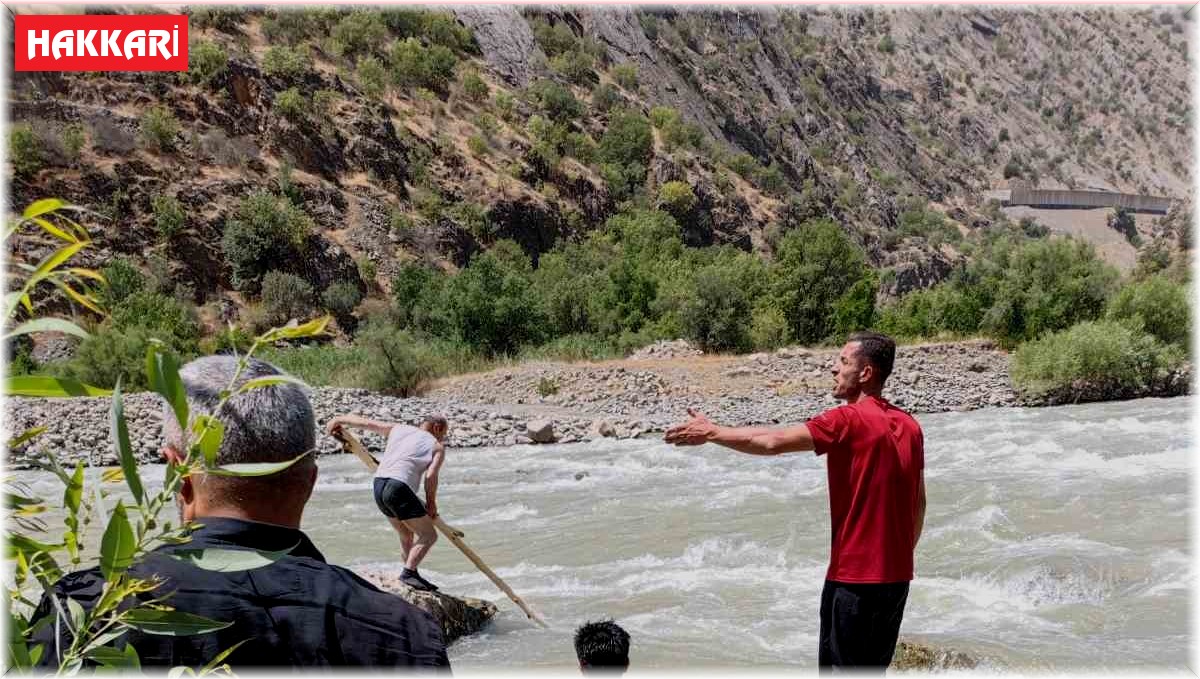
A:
x: 567, y: 402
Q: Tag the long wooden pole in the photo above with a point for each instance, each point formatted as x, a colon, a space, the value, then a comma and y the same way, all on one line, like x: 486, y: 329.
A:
x: 349, y: 442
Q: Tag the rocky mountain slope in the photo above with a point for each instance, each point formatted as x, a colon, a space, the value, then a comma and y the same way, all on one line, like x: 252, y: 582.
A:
x: 781, y: 115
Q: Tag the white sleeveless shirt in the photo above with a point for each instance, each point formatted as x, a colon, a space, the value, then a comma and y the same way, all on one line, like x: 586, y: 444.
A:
x: 408, y: 453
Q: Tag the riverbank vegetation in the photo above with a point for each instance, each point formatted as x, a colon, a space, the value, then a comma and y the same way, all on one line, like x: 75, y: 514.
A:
x: 634, y: 281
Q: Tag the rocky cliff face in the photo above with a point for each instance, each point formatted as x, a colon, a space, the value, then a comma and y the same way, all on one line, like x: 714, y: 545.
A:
x: 841, y: 112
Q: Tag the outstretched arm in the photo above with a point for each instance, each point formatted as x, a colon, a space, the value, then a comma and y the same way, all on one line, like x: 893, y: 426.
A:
x: 431, y: 480
x: 750, y: 440
x: 381, y: 428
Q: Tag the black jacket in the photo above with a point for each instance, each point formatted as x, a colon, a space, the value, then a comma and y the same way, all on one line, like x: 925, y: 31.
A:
x: 297, y: 611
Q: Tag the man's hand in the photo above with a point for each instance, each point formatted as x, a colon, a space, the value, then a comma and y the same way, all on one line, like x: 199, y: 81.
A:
x: 431, y: 508
x: 334, y: 428
x: 694, y: 432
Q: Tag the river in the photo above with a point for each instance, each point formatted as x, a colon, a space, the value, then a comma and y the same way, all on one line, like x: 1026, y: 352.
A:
x: 1056, y: 539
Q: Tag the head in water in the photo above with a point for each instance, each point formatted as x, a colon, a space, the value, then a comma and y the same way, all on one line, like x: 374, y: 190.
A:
x: 436, y: 425
x: 863, y: 365
x: 267, y: 424
x: 602, y: 647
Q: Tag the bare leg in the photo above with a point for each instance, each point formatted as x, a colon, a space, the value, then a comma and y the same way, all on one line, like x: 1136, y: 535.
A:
x: 425, y: 535
x: 406, y: 537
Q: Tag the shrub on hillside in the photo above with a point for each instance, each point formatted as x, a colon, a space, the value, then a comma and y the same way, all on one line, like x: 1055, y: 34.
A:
x: 123, y: 278
x: 553, y: 39
x: 625, y: 75
x: 263, y: 229
x: 223, y: 19
x: 605, y: 97
x: 555, y: 100
x: 414, y: 65
x: 169, y: 217
x: 358, y: 32
x: 576, y: 66
x: 72, y: 138
x: 677, y: 199
x: 1156, y: 306
x: 1122, y: 221
x: 24, y: 150
x: 474, y: 87
x: 1104, y: 356
x: 291, y: 105
x: 283, y: 61
x: 293, y: 26
x: 442, y: 29
x: 625, y: 150
x: 340, y: 298
x: 372, y: 77
x: 159, y: 127
x: 206, y: 61
x: 285, y: 296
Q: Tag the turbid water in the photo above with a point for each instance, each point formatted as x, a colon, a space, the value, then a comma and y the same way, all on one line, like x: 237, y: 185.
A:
x: 1056, y: 538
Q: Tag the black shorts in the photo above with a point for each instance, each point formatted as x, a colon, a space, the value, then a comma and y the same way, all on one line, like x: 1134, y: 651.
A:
x: 860, y: 624
x: 396, y: 499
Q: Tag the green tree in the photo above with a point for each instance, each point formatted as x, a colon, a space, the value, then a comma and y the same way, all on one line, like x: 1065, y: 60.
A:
x: 814, y: 266
x: 1157, y: 306
x: 491, y: 302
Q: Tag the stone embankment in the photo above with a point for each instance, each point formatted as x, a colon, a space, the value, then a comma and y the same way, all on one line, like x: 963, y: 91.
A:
x: 568, y: 402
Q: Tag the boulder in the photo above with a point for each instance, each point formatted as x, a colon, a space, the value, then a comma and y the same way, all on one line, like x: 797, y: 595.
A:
x: 915, y: 656
x: 603, y: 428
x: 458, y: 616
x: 540, y: 431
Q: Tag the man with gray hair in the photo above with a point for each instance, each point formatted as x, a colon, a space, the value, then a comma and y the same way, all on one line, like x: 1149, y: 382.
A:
x: 412, y: 454
x: 298, y: 610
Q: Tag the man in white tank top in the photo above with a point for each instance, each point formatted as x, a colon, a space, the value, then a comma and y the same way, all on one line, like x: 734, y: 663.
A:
x: 411, y: 454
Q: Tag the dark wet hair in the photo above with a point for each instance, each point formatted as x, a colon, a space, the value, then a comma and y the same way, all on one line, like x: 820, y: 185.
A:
x: 602, y: 646
x: 877, y: 348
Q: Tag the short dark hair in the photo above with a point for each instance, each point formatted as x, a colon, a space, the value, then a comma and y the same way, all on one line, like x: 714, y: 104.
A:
x: 877, y: 348
x: 602, y: 645
x: 435, y: 420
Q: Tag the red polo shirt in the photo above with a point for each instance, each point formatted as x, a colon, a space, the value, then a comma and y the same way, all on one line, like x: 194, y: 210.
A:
x: 875, y: 456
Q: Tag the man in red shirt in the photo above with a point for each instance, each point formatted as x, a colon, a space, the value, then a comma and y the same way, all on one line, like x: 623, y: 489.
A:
x: 875, y: 463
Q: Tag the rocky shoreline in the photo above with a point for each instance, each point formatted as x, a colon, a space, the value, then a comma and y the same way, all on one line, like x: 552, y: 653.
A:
x: 545, y: 402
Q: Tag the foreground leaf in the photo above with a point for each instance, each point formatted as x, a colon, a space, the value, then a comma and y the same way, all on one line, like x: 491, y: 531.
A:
x: 118, y: 545
x: 209, y: 432
x: 170, y: 623
x: 253, y: 468
x: 120, y: 435
x: 162, y: 371
x: 229, y: 560
x: 46, y: 386
x: 269, y: 381
x: 309, y: 329
x: 47, y: 325
x: 26, y: 436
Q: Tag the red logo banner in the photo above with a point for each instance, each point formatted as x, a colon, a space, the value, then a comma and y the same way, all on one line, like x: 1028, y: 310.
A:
x: 80, y: 42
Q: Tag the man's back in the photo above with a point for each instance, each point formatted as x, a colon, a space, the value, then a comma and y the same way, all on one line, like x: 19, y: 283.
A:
x: 875, y: 456
x: 298, y: 611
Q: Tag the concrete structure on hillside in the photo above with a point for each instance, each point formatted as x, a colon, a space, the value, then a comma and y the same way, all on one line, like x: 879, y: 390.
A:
x: 1068, y: 199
